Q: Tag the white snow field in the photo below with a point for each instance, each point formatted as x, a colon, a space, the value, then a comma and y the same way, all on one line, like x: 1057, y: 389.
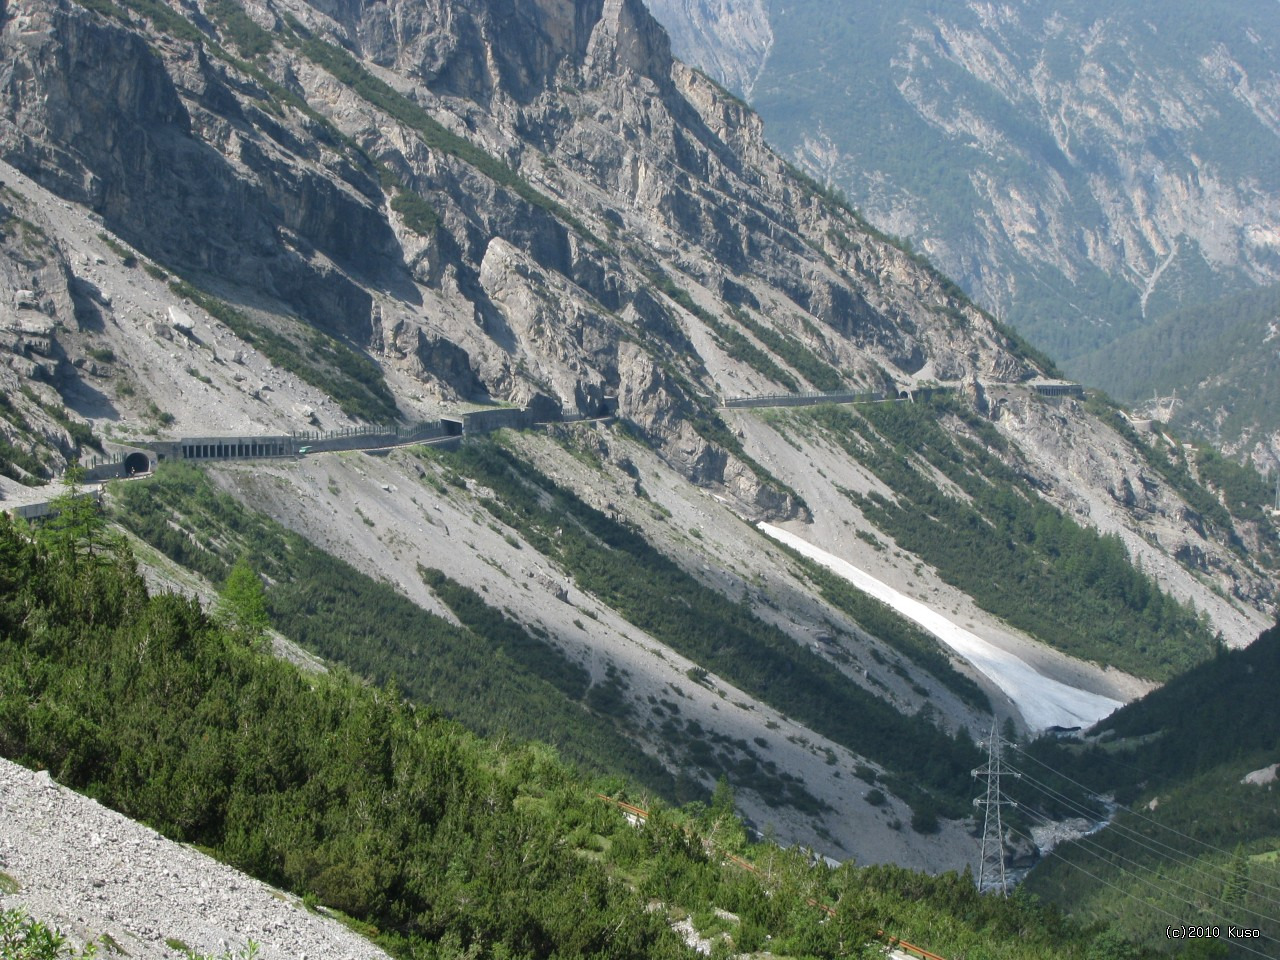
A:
x: 1043, y: 702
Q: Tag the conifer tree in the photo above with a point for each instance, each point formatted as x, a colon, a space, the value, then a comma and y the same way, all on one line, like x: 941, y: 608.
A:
x: 1237, y: 884
x: 242, y: 605
x: 76, y: 526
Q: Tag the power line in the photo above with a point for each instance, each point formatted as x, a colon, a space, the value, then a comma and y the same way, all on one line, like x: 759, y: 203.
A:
x: 1194, y: 909
x: 1146, y: 843
x: 1106, y: 854
x: 1179, y: 921
x: 1144, y: 818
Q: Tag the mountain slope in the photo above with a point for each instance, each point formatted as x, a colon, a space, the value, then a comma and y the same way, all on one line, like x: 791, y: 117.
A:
x: 1180, y: 757
x: 435, y: 843
x: 1080, y: 168
x: 238, y: 223
x: 1211, y: 369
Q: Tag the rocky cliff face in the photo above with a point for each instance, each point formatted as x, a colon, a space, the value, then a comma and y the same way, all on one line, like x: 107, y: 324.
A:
x: 272, y: 180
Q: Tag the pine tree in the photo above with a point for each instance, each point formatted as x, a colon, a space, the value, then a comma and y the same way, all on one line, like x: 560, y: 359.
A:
x: 1237, y: 884
x: 242, y: 605
x: 76, y: 526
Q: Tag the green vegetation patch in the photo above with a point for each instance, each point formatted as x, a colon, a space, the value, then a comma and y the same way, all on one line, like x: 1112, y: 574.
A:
x: 737, y: 346
x: 250, y: 39
x: 19, y: 465
x: 817, y: 371
x: 1189, y: 858
x: 1011, y: 551
x: 1245, y: 494
x: 418, y: 215
x: 434, y: 842
x: 1210, y: 355
x: 81, y: 433
x: 127, y: 256
x: 514, y: 640
x: 1198, y: 853
x: 491, y: 674
x: 353, y: 380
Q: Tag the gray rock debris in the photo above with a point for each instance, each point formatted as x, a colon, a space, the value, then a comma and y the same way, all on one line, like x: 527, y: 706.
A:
x: 90, y: 871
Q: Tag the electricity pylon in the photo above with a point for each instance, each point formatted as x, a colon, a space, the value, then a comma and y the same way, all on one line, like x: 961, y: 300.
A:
x: 991, y: 873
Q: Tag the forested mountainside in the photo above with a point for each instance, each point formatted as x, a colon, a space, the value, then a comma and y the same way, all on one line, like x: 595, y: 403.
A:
x: 1210, y: 370
x: 428, y: 840
x: 275, y: 240
x: 1080, y: 168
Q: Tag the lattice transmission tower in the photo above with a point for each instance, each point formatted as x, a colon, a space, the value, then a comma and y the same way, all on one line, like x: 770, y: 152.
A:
x: 990, y: 874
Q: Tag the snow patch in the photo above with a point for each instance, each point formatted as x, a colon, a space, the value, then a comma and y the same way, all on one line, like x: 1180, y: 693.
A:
x: 1043, y: 702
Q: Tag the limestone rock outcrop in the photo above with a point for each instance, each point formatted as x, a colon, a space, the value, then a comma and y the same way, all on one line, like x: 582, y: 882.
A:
x: 622, y: 167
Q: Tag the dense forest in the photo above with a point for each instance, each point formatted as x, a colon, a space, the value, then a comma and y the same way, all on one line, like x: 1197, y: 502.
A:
x: 432, y: 841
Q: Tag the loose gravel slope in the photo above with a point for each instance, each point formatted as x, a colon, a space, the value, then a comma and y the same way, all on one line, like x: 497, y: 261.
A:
x: 90, y: 871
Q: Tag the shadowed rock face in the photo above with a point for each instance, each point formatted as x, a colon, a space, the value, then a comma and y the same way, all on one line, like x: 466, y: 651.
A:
x: 158, y: 148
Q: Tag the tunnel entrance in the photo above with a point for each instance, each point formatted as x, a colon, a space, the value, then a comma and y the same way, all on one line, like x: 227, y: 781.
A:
x: 136, y: 464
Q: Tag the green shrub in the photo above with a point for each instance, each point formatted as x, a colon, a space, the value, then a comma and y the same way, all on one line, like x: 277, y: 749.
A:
x: 418, y: 215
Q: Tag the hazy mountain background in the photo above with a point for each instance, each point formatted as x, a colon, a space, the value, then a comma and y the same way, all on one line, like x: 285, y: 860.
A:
x: 1082, y: 169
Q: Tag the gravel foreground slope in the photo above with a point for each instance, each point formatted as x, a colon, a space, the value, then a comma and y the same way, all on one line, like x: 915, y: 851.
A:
x: 90, y: 871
